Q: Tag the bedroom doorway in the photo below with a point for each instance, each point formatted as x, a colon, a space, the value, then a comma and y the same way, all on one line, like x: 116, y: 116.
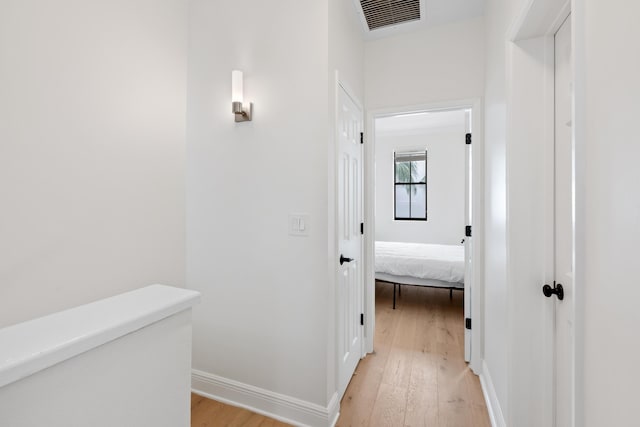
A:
x: 421, y: 174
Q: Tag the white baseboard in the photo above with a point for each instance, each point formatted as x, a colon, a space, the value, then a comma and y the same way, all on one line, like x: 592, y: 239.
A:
x: 271, y: 404
x: 334, y: 409
x: 490, y: 397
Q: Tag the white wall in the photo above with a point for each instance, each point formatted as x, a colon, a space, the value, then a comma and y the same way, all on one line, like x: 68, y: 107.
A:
x: 498, y: 15
x: 263, y: 317
x: 439, y: 64
x: 346, y: 48
x: 267, y: 315
x: 445, y: 184
x: 92, y: 131
x: 269, y: 290
x: 608, y: 210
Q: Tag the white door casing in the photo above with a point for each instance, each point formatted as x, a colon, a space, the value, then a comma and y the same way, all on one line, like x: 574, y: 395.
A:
x: 539, y: 205
x: 563, y: 234
x: 475, y: 245
x: 350, y: 283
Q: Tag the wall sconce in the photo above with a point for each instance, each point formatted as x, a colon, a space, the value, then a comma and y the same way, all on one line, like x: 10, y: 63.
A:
x: 242, y: 114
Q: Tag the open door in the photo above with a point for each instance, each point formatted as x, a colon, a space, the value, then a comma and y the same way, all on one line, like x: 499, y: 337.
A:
x: 468, y: 203
x: 350, y: 282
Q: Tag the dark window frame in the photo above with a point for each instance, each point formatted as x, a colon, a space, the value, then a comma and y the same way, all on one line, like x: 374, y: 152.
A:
x: 410, y: 184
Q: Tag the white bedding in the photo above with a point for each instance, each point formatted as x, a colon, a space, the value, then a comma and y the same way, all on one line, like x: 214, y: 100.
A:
x: 424, y: 261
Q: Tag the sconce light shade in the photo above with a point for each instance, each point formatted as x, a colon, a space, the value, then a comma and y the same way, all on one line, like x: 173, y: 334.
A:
x: 237, y: 95
x: 236, y: 86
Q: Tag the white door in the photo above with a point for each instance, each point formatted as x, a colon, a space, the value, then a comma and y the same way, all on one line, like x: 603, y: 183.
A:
x: 563, y: 371
x: 350, y: 283
x: 468, y: 202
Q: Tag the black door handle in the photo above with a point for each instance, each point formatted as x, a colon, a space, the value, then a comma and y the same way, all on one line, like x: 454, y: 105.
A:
x: 344, y: 259
x: 556, y: 290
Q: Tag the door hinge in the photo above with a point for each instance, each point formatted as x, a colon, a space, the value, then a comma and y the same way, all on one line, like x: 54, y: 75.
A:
x: 467, y: 231
x: 467, y: 323
x: 467, y: 139
x: 362, y: 319
x: 362, y: 228
x: 361, y: 137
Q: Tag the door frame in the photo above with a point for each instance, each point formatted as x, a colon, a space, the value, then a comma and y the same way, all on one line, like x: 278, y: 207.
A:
x: 477, y: 242
x: 533, y: 32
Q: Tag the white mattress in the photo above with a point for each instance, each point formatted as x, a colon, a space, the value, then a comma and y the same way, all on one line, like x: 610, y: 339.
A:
x: 424, y: 261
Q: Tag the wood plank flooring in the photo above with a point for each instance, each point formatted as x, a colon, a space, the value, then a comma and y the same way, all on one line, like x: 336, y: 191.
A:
x: 210, y: 413
x: 416, y: 377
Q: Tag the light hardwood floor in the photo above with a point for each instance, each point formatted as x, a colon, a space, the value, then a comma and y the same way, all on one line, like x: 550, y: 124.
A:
x: 210, y: 413
x: 416, y: 377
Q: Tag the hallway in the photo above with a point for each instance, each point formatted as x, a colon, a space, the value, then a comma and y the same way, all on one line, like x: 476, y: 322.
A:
x: 417, y: 375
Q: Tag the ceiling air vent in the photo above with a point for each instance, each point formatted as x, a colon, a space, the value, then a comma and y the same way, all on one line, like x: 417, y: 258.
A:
x: 382, y: 13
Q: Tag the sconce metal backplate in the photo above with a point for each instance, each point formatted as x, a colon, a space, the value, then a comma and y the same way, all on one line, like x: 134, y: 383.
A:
x: 242, y: 114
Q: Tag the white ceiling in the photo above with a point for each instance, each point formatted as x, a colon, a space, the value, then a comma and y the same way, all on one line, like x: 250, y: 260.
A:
x: 437, y: 12
x: 410, y: 123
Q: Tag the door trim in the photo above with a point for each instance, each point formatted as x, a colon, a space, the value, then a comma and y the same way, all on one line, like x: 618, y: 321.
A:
x: 475, y: 104
x: 537, y: 23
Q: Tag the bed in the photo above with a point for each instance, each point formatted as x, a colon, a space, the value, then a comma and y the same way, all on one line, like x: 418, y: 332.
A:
x: 419, y: 264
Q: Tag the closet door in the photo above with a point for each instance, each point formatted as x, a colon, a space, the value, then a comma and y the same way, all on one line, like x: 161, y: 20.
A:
x: 564, y: 225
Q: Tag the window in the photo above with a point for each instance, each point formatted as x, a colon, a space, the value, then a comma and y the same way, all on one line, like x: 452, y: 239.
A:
x: 410, y: 186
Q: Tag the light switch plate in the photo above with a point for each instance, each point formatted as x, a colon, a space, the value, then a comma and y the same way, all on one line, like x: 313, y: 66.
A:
x: 299, y: 224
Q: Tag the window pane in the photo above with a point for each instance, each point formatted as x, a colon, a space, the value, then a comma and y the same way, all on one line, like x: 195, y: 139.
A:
x: 402, y: 201
x: 420, y: 171
x: 418, y: 201
x: 403, y: 171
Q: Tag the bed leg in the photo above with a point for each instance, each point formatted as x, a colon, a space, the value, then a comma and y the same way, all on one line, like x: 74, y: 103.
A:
x: 399, y: 290
x: 394, y: 296
x: 450, y: 293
